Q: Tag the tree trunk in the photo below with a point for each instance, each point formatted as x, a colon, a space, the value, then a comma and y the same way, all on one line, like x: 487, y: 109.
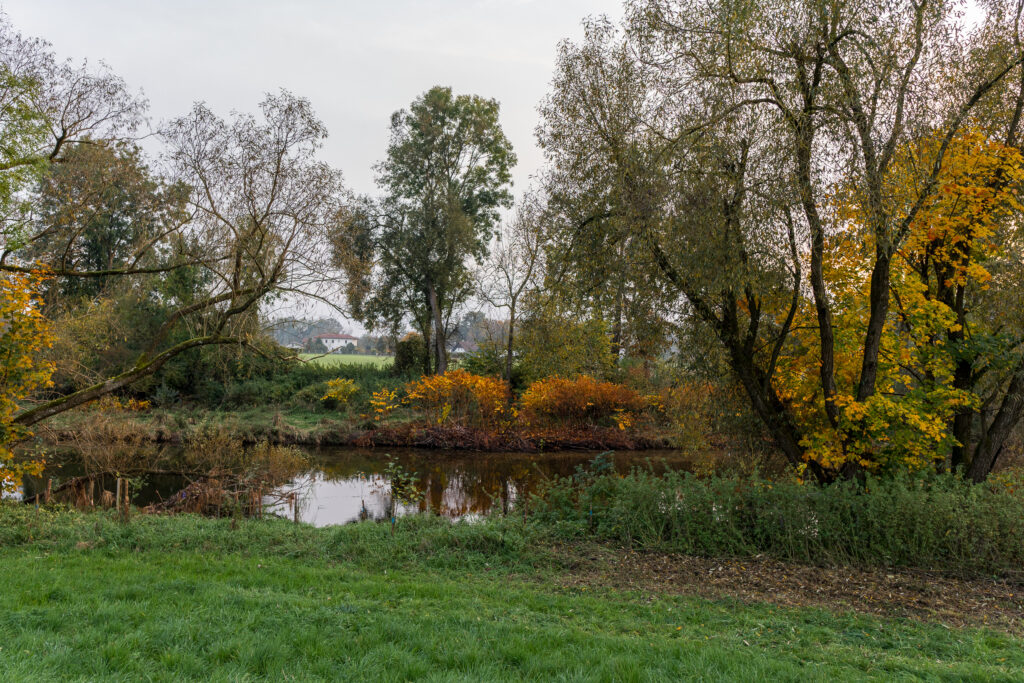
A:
x: 963, y: 417
x: 511, y: 334
x: 990, y: 445
x: 822, y: 307
x: 879, y: 301
x: 440, y: 352
x: 91, y: 393
x: 775, y: 416
x: 617, y: 326
x: 428, y: 349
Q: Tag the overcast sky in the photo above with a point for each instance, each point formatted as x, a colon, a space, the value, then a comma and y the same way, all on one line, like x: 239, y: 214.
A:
x: 356, y: 60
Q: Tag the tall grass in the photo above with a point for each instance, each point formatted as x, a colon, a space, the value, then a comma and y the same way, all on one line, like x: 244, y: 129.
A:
x: 939, y: 522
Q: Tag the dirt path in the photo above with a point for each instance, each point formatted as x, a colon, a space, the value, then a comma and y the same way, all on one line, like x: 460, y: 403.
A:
x: 911, y: 594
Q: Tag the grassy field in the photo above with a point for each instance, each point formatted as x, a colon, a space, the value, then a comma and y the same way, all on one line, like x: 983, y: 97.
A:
x: 334, y: 359
x: 85, y: 597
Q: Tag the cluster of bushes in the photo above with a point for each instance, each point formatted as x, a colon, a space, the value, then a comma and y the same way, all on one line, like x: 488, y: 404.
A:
x: 582, y: 402
x: 939, y: 521
x: 230, y: 379
x: 234, y: 379
x: 461, y: 397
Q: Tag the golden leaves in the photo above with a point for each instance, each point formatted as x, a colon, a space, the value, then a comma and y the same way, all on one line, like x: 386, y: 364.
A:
x: 24, y: 334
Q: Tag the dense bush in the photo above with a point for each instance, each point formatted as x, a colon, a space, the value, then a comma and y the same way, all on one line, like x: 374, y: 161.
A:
x: 489, y: 360
x: 941, y: 522
x: 580, y: 402
x: 556, y: 342
x: 278, y: 382
x: 461, y: 397
x: 339, y: 392
x: 411, y: 356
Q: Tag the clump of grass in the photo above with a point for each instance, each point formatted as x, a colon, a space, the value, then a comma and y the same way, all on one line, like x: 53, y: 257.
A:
x: 419, y: 541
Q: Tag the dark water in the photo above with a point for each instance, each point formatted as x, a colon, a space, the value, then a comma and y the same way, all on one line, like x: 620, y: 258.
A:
x: 343, y: 485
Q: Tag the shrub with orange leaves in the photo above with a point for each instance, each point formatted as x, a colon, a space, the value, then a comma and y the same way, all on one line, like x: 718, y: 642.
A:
x: 383, y: 402
x: 113, y: 404
x: 581, y: 402
x: 461, y: 397
x: 24, y: 334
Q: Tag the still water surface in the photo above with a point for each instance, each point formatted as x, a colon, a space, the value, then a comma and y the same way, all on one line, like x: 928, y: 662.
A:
x: 344, y: 485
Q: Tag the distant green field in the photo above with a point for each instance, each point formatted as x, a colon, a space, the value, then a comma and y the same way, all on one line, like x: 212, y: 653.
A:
x: 335, y: 359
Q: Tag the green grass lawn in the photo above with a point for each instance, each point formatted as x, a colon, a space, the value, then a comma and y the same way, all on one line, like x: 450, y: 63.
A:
x: 173, y: 598
x: 335, y: 359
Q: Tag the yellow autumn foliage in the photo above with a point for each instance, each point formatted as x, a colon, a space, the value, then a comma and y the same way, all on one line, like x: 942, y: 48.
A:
x: 905, y: 424
x: 24, y: 335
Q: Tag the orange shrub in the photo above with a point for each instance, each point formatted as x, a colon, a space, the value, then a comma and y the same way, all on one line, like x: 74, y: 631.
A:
x: 580, y: 402
x: 383, y: 402
x: 113, y: 404
x: 462, y: 397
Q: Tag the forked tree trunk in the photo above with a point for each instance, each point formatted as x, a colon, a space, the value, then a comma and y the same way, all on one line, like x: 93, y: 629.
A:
x: 990, y: 446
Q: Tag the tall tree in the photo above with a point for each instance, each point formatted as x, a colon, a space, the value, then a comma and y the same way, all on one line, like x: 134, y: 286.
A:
x: 102, y: 210
x: 47, y: 109
x: 718, y: 133
x: 258, y: 201
x: 446, y: 178
x: 512, y: 269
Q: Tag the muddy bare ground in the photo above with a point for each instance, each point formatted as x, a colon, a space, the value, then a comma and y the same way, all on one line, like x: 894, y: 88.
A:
x: 923, y: 596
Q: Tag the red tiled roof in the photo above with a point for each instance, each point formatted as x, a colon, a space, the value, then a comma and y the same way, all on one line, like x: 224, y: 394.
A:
x: 336, y: 336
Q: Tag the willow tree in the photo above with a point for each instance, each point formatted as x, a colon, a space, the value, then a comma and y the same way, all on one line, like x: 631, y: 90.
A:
x: 722, y: 132
x: 236, y: 219
x: 445, y: 179
x: 257, y: 202
x: 594, y: 133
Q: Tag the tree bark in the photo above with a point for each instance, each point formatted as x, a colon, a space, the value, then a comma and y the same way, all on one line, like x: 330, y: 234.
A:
x: 617, y: 326
x: 990, y: 446
x: 511, y: 335
x: 879, y: 302
x: 59, y: 405
x: 440, y: 352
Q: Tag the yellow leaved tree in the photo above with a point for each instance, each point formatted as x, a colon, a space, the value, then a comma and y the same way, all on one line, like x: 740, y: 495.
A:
x: 24, y: 335
x: 938, y: 339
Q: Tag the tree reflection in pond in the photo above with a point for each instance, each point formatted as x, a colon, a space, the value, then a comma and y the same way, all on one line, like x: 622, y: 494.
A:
x: 346, y: 485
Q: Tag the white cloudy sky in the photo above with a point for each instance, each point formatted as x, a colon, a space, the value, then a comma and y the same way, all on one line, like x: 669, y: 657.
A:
x: 356, y: 60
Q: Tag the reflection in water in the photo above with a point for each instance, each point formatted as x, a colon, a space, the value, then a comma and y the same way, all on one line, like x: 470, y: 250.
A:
x: 344, y: 485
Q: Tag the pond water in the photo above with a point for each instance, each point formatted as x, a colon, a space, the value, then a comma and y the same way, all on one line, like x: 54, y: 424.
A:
x: 344, y: 485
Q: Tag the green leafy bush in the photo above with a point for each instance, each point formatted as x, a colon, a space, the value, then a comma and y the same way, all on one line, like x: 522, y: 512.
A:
x: 411, y: 357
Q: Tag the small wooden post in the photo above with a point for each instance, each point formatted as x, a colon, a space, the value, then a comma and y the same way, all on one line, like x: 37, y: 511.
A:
x: 92, y: 501
x: 120, y: 492
x: 295, y: 508
x: 49, y: 490
x: 126, y: 509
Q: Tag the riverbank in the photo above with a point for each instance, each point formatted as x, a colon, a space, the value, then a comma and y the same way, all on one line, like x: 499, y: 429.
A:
x: 304, y: 427
x: 89, y: 597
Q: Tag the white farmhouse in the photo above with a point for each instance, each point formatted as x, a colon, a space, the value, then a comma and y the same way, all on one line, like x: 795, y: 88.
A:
x: 337, y: 342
